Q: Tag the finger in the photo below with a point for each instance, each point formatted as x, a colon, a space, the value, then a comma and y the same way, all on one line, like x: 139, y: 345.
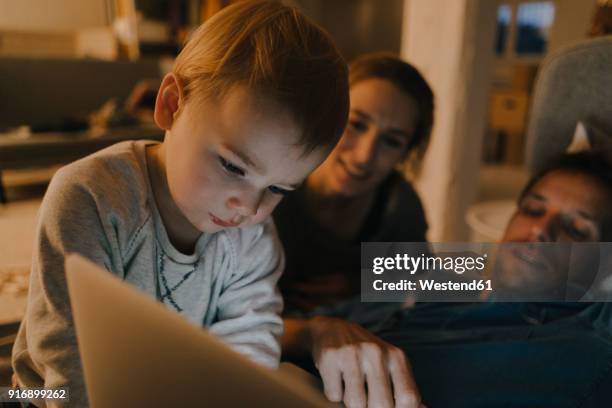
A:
x: 405, y: 390
x: 331, y: 375
x: 354, y: 385
x: 377, y: 376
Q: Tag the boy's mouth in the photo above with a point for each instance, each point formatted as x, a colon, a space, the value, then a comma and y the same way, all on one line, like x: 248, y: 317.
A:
x: 221, y: 222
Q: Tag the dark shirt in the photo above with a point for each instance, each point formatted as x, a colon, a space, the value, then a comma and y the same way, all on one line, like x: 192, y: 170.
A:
x: 322, y: 269
x: 507, y: 354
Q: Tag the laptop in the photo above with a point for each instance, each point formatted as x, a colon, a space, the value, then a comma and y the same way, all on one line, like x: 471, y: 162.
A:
x: 137, y: 353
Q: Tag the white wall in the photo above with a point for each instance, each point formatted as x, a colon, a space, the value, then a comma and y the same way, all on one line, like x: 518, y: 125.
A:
x: 451, y: 43
x: 45, y: 15
x: 572, y: 21
x: 358, y: 26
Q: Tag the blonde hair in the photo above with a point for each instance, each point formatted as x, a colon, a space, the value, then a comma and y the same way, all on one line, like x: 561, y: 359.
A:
x: 279, y: 54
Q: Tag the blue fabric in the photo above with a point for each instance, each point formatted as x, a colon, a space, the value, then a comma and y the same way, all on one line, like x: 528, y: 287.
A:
x: 507, y: 354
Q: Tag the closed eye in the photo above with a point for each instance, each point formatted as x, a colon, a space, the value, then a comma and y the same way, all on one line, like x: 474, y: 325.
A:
x: 231, y: 168
x: 533, y: 212
x: 578, y: 234
x: 278, y: 190
x: 579, y: 230
x: 532, y: 207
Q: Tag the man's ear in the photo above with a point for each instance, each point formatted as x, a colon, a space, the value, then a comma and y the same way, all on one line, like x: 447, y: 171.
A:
x: 169, y: 100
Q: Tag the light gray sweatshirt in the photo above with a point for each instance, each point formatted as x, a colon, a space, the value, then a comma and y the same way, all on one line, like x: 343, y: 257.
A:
x: 102, y: 207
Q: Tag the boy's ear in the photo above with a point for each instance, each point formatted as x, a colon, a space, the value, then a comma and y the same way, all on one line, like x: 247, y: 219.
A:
x: 169, y: 100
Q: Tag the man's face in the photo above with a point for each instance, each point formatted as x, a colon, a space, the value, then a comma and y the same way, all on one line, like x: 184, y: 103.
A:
x: 539, y: 248
x: 561, y: 207
x: 230, y: 161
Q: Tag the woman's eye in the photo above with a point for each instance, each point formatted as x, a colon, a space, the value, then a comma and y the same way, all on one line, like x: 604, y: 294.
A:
x: 278, y: 190
x: 358, y: 125
x: 230, y: 167
x: 392, y: 141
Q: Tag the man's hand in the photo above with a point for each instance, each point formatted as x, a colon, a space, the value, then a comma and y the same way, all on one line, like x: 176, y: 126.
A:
x: 349, y: 357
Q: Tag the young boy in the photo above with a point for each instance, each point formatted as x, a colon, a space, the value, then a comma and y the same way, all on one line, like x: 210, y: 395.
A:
x: 255, y: 102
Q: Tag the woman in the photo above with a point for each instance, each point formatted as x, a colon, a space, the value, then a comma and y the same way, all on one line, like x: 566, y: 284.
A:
x: 358, y: 194
x: 553, y: 354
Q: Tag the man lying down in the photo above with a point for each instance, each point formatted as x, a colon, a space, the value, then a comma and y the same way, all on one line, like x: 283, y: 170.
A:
x: 487, y: 354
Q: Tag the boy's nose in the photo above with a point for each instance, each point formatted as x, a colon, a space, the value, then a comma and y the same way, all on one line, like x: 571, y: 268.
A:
x: 247, y: 203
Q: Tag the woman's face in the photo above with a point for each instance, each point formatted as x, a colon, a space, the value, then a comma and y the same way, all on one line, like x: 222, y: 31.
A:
x: 382, y: 122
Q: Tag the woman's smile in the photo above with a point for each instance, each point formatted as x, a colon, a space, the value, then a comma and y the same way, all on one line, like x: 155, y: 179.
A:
x: 353, y: 172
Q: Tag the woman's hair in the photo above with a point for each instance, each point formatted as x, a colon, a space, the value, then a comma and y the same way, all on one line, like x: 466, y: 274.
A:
x: 595, y: 164
x: 408, y: 80
x: 602, y: 19
x: 279, y: 54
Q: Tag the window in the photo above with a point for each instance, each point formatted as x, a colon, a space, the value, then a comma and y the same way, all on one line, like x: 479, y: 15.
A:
x: 523, y: 28
x: 504, y: 17
x: 533, y: 27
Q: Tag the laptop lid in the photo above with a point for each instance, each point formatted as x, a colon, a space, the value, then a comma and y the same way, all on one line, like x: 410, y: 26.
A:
x: 135, y: 352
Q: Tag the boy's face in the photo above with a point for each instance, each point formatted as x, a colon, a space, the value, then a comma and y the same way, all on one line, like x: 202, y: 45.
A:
x: 229, y: 162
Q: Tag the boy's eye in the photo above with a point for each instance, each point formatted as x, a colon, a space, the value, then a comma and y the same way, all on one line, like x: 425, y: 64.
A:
x: 230, y: 167
x: 278, y: 190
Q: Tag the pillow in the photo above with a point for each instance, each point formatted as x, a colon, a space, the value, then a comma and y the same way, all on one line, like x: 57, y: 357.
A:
x: 590, y: 136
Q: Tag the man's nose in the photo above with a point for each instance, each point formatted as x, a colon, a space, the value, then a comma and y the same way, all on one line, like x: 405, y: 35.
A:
x: 545, y: 229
